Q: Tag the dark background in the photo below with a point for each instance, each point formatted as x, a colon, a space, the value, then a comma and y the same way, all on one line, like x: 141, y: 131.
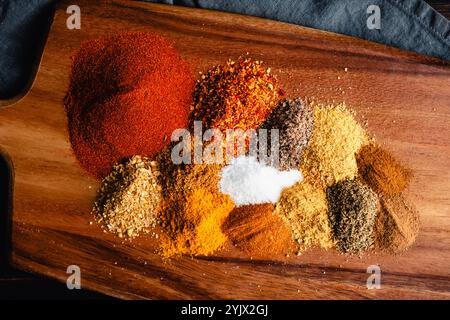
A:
x: 15, y: 284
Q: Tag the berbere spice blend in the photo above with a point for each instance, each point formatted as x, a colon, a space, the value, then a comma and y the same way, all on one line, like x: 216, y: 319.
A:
x: 258, y: 231
x: 129, y: 198
x: 130, y: 91
x: 127, y: 93
x: 397, y: 224
x: 381, y: 171
x: 239, y: 94
x: 352, y: 212
x: 295, y: 121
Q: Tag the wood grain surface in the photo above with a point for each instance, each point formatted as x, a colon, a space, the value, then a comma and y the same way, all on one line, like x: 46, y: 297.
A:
x: 403, y: 98
x: 441, y: 6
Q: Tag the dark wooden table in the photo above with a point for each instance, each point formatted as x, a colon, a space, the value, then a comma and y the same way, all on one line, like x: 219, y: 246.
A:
x: 442, y: 6
x: 15, y: 284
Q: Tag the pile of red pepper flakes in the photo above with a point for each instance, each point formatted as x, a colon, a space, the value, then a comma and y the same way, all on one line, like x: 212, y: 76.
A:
x: 240, y: 94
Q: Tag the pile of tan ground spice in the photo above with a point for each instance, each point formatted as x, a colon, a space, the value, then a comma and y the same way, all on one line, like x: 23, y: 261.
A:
x: 305, y: 208
x: 397, y: 224
x: 129, y: 198
x: 330, y: 156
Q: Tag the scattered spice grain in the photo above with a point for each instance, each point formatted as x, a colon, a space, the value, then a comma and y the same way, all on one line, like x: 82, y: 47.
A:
x: 352, y: 212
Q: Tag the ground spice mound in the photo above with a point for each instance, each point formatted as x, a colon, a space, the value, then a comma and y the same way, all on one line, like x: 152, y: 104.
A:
x: 330, y: 156
x: 194, y: 209
x: 381, y: 171
x: 295, y: 121
x: 240, y: 94
x: 258, y: 231
x: 127, y: 94
x: 397, y: 224
x: 305, y: 208
x: 352, y: 212
x: 129, y: 198
x: 200, y: 232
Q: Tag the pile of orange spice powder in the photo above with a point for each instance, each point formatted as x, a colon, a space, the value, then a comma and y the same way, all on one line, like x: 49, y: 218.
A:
x: 258, y: 231
x: 127, y: 94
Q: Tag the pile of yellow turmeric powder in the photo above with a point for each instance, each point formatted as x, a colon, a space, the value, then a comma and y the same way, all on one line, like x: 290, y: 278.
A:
x: 193, y: 209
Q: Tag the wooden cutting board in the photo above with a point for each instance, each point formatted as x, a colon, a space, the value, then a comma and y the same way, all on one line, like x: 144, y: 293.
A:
x: 403, y: 97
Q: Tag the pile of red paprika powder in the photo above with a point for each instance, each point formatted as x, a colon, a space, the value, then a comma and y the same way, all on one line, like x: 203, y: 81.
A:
x: 127, y: 94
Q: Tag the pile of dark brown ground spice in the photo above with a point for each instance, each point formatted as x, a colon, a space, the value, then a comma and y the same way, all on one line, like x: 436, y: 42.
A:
x: 397, y: 224
x: 295, y: 121
x: 352, y: 212
x: 258, y: 231
x: 381, y: 171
